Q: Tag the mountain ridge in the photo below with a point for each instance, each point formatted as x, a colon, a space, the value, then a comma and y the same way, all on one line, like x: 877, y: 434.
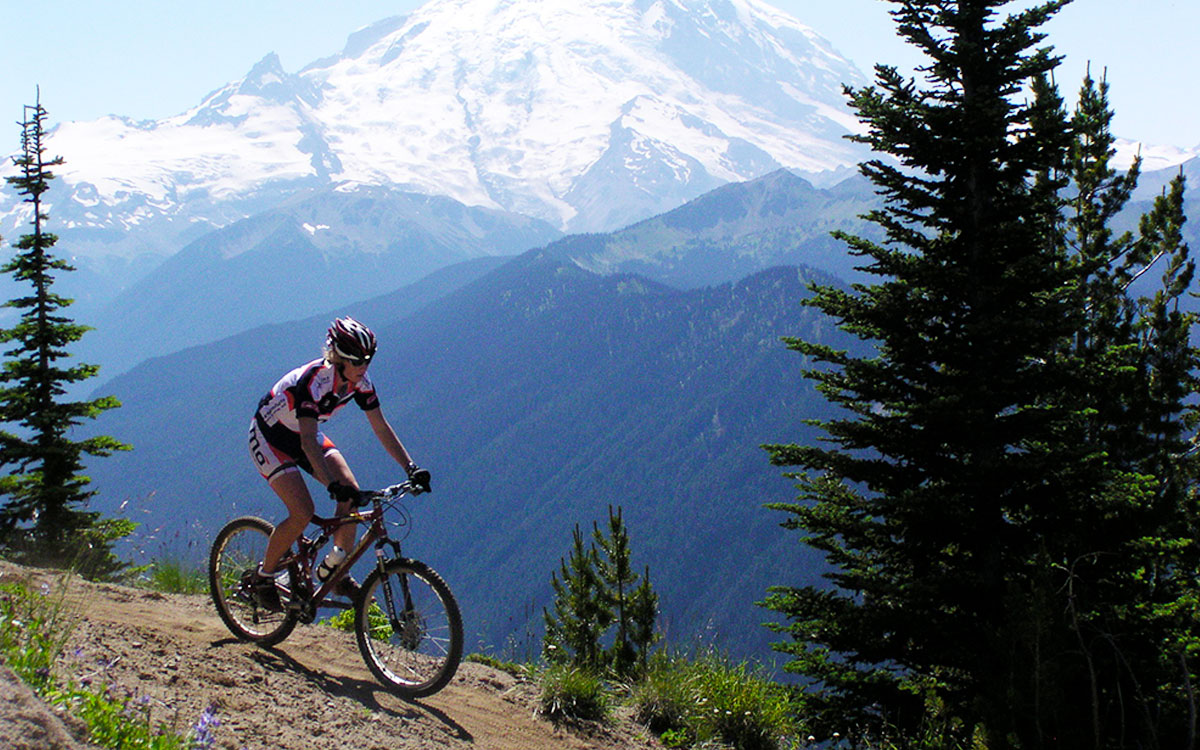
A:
x: 605, y: 111
x: 317, y: 251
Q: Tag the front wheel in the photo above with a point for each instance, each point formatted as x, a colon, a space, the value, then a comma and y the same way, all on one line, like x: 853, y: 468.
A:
x: 409, y: 628
x: 236, y: 553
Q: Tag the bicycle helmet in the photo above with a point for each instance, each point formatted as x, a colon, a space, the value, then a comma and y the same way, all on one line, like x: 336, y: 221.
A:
x: 351, y: 340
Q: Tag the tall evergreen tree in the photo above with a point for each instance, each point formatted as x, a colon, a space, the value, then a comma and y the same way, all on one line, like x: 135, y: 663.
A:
x: 616, y: 569
x: 999, y: 523
x: 45, y: 514
x: 643, y: 619
x: 580, y: 614
x: 1121, y: 561
x: 598, y: 591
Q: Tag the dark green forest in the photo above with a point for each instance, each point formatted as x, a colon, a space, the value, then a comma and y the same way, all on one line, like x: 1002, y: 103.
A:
x: 538, y: 395
x: 1008, y: 502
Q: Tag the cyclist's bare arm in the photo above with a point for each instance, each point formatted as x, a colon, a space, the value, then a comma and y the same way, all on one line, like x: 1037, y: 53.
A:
x: 387, y: 438
x: 312, y: 450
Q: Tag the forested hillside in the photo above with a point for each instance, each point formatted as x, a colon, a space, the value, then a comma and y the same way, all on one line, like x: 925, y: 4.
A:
x: 538, y: 395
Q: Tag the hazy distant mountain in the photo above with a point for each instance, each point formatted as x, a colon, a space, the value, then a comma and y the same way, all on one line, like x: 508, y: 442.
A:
x: 338, y: 247
x: 538, y: 395
x: 318, y: 252
x: 735, y: 230
x: 588, y: 114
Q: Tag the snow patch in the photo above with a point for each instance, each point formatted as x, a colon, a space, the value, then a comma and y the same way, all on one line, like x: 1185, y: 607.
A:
x: 1153, y: 157
x: 499, y: 103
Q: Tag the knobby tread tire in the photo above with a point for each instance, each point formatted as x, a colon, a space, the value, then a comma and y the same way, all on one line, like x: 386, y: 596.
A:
x: 233, y: 612
x: 453, y: 631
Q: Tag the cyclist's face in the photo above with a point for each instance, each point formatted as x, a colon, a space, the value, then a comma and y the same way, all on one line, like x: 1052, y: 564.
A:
x: 354, y: 372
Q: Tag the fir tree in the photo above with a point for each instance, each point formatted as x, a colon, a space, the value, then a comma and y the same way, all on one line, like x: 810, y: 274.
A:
x: 616, y: 570
x: 598, y: 592
x: 580, y: 614
x: 643, y: 619
x: 1008, y: 540
x: 1121, y: 560
x: 44, y: 518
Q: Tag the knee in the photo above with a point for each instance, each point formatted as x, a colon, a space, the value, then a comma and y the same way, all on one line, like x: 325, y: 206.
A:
x: 301, y: 515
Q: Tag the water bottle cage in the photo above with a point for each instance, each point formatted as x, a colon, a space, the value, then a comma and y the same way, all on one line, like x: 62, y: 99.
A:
x: 324, y: 571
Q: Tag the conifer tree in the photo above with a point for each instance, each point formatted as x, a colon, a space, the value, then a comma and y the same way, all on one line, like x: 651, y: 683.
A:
x: 580, y: 614
x: 643, y: 619
x: 598, y: 592
x: 43, y: 518
x: 1010, y: 545
x: 1121, y: 559
x: 615, y: 567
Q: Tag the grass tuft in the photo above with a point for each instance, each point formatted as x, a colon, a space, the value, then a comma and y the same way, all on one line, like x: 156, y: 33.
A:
x: 710, y: 699
x: 174, y: 577
x: 572, y: 694
x: 520, y: 671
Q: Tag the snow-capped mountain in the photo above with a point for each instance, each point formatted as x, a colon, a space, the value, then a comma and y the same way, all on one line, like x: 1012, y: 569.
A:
x: 544, y: 107
x: 589, y: 114
x: 1155, y: 158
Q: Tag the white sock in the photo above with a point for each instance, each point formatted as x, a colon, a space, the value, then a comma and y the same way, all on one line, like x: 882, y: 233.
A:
x: 281, y: 576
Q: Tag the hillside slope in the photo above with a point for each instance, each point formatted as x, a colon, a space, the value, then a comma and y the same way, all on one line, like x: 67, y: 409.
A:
x: 312, y: 691
x: 539, y: 395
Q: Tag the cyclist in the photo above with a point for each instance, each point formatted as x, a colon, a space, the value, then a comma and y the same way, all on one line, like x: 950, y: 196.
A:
x: 284, y: 438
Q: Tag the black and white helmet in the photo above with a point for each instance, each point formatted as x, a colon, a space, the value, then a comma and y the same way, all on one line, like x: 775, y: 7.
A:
x: 351, y: 340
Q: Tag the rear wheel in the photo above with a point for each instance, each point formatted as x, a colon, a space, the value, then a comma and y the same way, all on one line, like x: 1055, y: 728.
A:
x: 409, y: 628
x: 236, y: 553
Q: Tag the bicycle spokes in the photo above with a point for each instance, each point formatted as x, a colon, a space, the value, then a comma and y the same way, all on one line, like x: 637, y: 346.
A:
x: 235, y: 555
x: 412, y: 632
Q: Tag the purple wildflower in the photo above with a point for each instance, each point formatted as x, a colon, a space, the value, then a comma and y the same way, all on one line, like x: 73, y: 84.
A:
x: 203, y: 728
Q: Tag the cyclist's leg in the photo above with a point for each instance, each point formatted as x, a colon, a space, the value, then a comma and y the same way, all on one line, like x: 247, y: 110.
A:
x: 344, y: 536
x: 290, y: 487
x: 279, y: 458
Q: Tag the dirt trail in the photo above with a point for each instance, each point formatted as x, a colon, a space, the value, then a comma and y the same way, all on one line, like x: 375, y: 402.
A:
x: 173, y: 654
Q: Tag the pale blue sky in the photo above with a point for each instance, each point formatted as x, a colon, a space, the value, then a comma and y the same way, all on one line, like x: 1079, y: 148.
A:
x: 149, y: 59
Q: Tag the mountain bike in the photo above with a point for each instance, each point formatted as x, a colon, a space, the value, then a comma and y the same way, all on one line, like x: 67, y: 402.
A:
x: 406, y: 620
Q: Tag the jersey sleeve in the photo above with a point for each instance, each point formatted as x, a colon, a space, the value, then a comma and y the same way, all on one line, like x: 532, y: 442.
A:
x: 365, y: 395
x: 303, y: 400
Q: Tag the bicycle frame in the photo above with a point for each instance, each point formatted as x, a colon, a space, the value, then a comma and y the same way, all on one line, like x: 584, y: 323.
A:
x: 414, y: 653
x: 376, y: 535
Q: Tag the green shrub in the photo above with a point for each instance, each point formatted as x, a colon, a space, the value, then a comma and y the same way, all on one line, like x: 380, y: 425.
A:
x: 86, y: 551
x: 663, y: 700
x: 33, y: 632
x: 570, y: 693
x: 343, y: 620
x: 690, y: 702
x: 379, y: 627
x: 173, y: 577
x: 119, y: 723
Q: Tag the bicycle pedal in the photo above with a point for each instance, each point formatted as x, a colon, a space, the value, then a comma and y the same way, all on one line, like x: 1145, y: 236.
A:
x: 347, y: 587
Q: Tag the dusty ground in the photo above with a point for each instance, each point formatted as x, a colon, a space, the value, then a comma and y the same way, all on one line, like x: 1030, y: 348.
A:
x: 173, y: 655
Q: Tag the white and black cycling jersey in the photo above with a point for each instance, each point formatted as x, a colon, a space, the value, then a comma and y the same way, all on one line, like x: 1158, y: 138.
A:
x: 312, y: 390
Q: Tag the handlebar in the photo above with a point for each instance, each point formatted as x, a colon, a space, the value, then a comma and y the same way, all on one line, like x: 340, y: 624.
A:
x: 365, y: 497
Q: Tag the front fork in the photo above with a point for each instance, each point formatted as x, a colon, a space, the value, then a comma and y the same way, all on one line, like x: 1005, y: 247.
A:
x: 401, y: 623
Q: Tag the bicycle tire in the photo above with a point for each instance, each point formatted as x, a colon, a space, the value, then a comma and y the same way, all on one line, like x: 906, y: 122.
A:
x: 239, y: 547
x: 416, y: 653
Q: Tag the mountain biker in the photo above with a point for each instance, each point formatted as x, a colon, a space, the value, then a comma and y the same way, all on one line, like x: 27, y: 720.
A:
x: 284, y: 438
